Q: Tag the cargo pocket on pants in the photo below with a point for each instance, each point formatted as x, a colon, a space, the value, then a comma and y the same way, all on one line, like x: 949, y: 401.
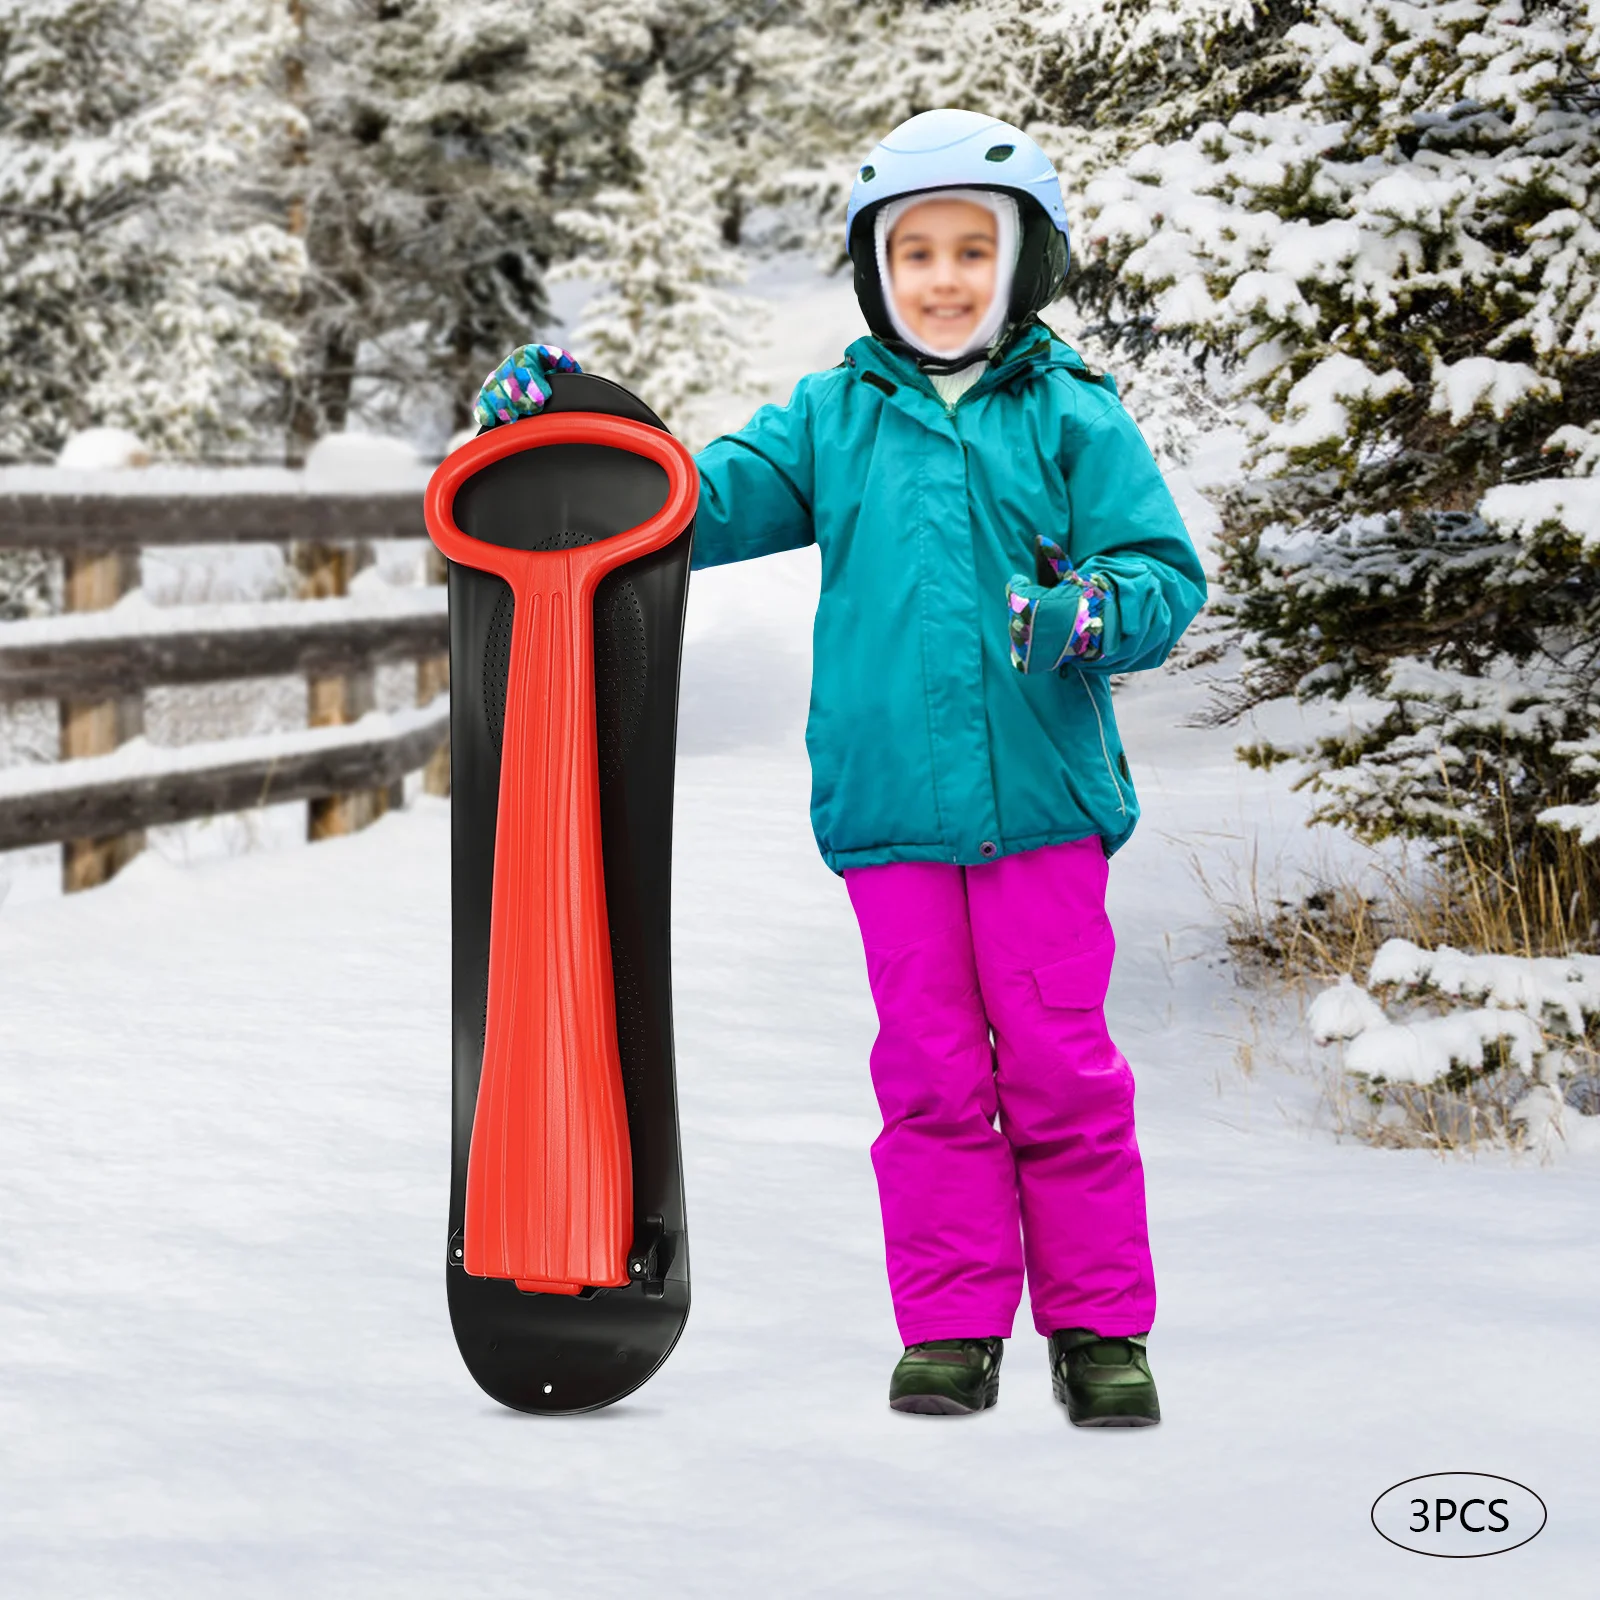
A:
x: 1077, y: 982
x: 1096, y: 1082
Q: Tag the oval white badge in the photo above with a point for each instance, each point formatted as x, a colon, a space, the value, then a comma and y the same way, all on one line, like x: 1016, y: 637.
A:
x: 1458, y: 1514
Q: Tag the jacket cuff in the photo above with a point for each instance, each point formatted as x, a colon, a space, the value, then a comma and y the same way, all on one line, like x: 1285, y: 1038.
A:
x: 1070, y: 625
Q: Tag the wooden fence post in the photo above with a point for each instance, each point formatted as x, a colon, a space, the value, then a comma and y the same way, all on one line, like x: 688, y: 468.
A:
x: 325, y: 571
x: 95, y: 580
x: 433, y: 678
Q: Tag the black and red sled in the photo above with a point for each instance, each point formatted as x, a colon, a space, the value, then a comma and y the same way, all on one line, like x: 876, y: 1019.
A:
x: 568, y: 536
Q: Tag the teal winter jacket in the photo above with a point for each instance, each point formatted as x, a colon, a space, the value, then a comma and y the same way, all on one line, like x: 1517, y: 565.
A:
x: 925, y: 743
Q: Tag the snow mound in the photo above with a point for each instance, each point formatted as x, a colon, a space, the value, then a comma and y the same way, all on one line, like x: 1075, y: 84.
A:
x: 1428, y: 1049
x: 1550, y: 1123
x: 103, y: 450
x: 1515, y: 1001
x: 372, y: 462
x: 1556, y: 990
x: 1343, y: 1012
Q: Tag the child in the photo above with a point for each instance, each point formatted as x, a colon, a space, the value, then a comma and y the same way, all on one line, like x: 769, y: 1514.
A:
x: 968, y: 780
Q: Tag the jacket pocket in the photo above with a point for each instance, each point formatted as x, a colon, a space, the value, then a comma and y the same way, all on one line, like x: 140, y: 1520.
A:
x: 1078, y: 982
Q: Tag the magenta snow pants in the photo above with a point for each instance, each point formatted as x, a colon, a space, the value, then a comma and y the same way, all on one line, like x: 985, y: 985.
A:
x: 990, y: 983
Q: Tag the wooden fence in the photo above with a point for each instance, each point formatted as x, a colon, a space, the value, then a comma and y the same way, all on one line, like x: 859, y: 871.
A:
x: 97, y: 662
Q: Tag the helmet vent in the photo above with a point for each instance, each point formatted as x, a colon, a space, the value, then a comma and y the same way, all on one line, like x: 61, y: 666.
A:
x: 869, y: 173
x: 998, y: 152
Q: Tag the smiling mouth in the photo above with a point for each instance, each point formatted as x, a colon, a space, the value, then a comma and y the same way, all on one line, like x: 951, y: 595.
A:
x: 948, y: 313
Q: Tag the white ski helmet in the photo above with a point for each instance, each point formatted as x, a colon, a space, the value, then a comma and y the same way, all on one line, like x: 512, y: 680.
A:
x: 950, y: 149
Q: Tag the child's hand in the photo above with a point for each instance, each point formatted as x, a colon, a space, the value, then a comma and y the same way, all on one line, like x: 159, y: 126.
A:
x: 1058, y: 617
x: 520, y: 385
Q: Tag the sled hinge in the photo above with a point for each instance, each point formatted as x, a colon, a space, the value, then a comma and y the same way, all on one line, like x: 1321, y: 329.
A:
x: 650, y: 1257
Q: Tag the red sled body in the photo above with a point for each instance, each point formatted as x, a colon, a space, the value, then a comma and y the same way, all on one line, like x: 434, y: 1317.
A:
x: 568, y: 536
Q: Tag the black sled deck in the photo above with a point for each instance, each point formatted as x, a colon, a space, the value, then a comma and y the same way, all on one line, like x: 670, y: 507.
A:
x: 564, y: 1352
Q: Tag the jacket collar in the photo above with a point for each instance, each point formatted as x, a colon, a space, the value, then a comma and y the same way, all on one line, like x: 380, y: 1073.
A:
x: 1035, y: 348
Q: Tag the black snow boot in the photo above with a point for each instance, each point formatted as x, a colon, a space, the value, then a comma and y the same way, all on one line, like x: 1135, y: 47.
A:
x: 1103, y: 1383
x: 947, y: 1377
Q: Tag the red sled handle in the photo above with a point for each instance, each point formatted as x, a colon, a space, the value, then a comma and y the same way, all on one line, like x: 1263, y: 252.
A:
x: 549, y: 1200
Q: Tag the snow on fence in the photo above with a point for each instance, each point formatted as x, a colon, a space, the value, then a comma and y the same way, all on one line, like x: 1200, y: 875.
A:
x: 99, y: 658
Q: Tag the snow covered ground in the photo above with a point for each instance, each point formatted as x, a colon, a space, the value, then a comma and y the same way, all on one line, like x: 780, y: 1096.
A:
x: 226, y: 1367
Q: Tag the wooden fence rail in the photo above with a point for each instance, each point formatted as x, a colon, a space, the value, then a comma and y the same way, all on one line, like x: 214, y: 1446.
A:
x: 78, y: 655
x: 98, y: 659
x: 101, y: 795
x: 163, y: 512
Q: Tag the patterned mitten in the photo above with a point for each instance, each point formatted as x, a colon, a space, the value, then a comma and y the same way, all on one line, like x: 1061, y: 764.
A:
x: 1058, y: 617
x: 520, y: 385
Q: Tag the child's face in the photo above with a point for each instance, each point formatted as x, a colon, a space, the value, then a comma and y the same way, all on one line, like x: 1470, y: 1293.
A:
x: 942, y: 265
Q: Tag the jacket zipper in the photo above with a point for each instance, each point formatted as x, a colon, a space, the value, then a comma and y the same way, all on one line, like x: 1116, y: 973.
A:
x: 1100, y: 724
x: 1017, y: 362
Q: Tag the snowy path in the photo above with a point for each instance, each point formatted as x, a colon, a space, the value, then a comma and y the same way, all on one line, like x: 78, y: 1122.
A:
x: 225, y: 1366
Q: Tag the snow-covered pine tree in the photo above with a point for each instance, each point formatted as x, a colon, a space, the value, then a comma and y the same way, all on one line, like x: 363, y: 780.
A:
x: 1400, y: 270
x: 827, y: 79
x: 1105, y: 77
x: 1135, y: 70
x: 135, y: 286
x: 666, y: 323
x: 439, y: 136
x: 442, y: 137
x: 706, y: 49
